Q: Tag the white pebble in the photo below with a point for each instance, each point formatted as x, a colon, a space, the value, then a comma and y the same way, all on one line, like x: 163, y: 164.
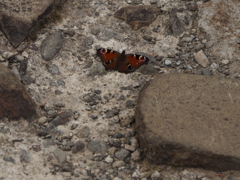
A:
x: 225, y: 61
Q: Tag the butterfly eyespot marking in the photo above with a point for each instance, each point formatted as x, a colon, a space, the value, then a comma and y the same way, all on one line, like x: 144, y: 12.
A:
x: 142, y: 58
x: 129, y: 67
x: 103, y: 51
x: 108, y: 62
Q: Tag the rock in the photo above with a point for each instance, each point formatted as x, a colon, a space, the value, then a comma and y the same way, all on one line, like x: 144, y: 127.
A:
x: 61, y: 119
x: 122, y: 154
x: 9, y: 159
x: 111, y: 113
x: 167, y: 62
x: 155, y: 176
x: 53, y: 69
x: 48, y: 142
x: 225, y: 61
x: 136, y: 156
x: 108, y: 159
x: 194, y: 123
x: 201, y: 58
x: 23, y: 67
x: 186, y: 175
x: 19, y: 58
x: 126, y: 117
x: 27, y: 80
x: 118, y: 164
x: 51, y: 45
x: 15, y: 100
x: 97, y: 146
x: 21, y: 19
x: 222, y: 14
x: 83, y: 132
x: 78, y: 146
x: 24, y: 157
x: 60, y: 155
x: 138, y: 16
x: 174, y: 26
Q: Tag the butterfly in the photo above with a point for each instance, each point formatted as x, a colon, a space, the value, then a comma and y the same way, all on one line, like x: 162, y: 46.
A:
x: 121, y: 62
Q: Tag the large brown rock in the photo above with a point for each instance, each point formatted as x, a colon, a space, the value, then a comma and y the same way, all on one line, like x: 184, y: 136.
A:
x: 14, y: 99
x: 190, y: 120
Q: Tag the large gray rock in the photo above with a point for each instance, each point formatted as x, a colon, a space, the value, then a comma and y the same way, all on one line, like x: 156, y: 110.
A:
x: 190, y: 120
x: 19, y: 19
x: 14, y: 99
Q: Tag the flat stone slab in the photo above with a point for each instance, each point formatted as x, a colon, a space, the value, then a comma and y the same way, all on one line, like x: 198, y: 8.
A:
x: 191, y: 121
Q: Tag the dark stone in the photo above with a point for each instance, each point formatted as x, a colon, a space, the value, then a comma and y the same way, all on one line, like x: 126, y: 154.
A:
x: 51, y: 45
x: 14, y: 99
x: 14, y: 29
x: 138, y: 16
x: 97, y: 146
x: 23, y: 67
x: 111, y: 113
x: 9, y: 159
x: 190, y: 121
x: 174, y: 26
x: 61, y: 119
x: 24, y: 157
x: 27, y: 80
x: 78, y: 146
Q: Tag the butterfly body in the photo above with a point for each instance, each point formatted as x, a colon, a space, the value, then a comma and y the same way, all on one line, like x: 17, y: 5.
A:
x: 121, y: 62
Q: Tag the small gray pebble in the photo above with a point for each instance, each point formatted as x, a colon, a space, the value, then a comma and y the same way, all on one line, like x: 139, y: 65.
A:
x: 97, y: 146
x: 78, y: 146
x: 122, y: 154
x: 24, y: 157
x: 53, y: 69
x: 83, y: 132
x: 60, y: 155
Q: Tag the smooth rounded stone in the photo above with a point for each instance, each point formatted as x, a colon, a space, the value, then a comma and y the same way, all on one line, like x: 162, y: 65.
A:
x: 84, y: 132
x: 201, y: 58
x: 78, y: 146
x: 118, y: 164
x: 167, y: 62
x: 51, y: 45
x: 97, y: 146
x: 19, y: 57
x: 24, y: 156
x: 60, y: 155
x: 122, y: 154
x: 190, y: 120
x: 42, y: 120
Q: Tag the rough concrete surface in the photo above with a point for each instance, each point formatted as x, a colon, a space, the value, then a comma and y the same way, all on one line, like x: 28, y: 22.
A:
x: 84, y: 108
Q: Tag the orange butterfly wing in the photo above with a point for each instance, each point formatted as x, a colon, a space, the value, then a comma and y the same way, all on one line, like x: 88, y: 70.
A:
x: 132, y: 62
x: 108, y: 57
